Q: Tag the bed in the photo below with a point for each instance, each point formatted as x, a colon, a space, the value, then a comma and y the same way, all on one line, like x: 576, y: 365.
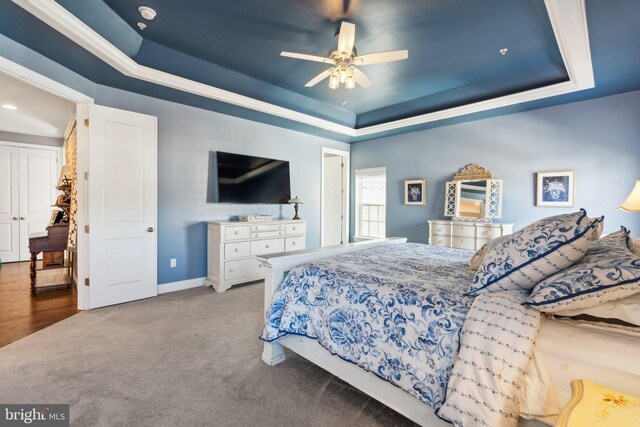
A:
x: 393, y: 314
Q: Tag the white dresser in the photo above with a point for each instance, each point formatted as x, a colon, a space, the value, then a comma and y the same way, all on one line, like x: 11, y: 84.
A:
x: 465, y: 234
x: 233, y: 247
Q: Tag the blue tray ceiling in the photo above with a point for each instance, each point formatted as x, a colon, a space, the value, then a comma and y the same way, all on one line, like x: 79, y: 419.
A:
x: 453, y: 52
x: 453, y: 46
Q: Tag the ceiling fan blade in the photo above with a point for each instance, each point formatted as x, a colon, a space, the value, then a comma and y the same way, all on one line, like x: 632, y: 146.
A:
x: 320, y: 77
x: 306, y: 57
x: 380, y: 57
x: 346, y: 38
x: 361, y: 78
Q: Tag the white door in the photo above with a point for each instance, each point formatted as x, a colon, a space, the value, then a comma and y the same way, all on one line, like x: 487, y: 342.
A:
x: 332, y: 217
x: 9, y: 204
x: 38, y: 179
x: 121, y: 206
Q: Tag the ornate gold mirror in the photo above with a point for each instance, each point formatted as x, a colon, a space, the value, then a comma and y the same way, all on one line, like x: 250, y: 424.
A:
x: 473, y: 195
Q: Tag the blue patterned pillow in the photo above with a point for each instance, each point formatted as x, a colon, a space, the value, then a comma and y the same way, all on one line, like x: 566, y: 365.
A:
x: 610, y: 271
x: 535, y: 252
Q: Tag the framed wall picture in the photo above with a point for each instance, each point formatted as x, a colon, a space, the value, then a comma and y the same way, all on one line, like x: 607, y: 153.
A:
x: 415, y: 192
x: 555, y: 189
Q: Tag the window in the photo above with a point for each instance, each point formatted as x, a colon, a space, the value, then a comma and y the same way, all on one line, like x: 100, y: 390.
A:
x: 371, y: 201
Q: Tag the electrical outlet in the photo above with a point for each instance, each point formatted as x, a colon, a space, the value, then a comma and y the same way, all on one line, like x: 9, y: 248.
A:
x: 173, y: 263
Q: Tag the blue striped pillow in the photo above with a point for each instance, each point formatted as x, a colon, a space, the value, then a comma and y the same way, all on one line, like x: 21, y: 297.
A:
x: 610, y: 271
x: 535, y: 252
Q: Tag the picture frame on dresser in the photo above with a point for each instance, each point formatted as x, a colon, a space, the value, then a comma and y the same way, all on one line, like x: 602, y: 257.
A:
x: 556, y: 189
x: 415, y: 192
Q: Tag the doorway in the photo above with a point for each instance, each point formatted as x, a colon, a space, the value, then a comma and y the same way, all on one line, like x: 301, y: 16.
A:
x: 33, y: 137
x: 335, y: 197
x: 122, y: 263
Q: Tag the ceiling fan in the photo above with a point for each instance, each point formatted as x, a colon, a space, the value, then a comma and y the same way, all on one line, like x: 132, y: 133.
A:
x: 344, y: 59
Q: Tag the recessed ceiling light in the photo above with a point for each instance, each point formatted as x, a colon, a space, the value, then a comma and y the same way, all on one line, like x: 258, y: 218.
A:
x: 9, y: 106
x: 147, y: 13
x: 142, y: 25
x: 503, y: 51
x: 343, y: 102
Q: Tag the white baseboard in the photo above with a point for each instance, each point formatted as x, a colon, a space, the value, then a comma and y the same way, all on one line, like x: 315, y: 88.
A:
x: 179, y: 286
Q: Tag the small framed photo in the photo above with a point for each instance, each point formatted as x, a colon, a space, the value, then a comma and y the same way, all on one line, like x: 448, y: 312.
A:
x: 555, y: 189
x: 415, y: 192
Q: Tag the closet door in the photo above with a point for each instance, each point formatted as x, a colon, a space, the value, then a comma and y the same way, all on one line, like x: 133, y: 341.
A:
x: 38, y: 179
x: 9, y: 204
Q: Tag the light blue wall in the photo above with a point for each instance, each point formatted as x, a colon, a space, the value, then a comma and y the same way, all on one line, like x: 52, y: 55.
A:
x: 185, y: 137
x: 599, y: 139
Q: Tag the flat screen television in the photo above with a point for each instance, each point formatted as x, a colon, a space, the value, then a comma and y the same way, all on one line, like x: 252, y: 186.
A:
x: 249, y: 179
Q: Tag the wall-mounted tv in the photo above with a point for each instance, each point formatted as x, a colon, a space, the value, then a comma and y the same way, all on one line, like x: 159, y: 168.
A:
x: 248, y: 179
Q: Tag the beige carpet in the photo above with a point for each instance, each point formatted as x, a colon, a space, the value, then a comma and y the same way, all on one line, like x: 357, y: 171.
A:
x: 189, y: 358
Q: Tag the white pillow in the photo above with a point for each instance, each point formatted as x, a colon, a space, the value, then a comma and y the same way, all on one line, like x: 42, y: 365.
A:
x: 625, y: 309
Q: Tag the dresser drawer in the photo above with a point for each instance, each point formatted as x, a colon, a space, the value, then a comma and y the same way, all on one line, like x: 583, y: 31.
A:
x: 298, y: 228
x: 463, y: 230
x: 241, y: 268
x: 294, y: 243
x: 266, y: 234
x: 441, y: 241
x: 489, y: 232
x: 237, y: 232
x: 440, y: 229
x: 267, y: 246
x: 237, y: 250
x: 267, y: 227
x: 463, y: 242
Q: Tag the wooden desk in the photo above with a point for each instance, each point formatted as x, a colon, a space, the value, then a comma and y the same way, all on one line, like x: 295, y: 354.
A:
x: 54, y: 239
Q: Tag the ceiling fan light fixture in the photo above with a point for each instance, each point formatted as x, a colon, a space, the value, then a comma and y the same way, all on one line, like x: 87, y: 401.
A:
x: 333, y: 81
x: 343, y: 60
x: 343, y: 74
x: 351, y: 82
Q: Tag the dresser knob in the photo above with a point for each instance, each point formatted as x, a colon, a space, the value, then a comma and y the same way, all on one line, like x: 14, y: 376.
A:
x: 440, y: 229
x: 231, y: 270
x: 236, y: 250
x: 293, y: 243
x: 259, y: 265
x: 293, y: 228
x: 236, y: 232
x: 266, y: 246
x: 440, y: 241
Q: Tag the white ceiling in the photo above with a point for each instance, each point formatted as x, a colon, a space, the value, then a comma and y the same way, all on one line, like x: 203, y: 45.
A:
x: 39, y: 112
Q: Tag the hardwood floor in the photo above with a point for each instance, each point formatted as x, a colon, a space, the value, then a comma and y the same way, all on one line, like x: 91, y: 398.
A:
x: 22, y: 314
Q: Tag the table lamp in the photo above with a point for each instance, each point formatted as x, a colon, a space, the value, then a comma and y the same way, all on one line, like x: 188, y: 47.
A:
x: 296, y: 201
x: 632, y: 204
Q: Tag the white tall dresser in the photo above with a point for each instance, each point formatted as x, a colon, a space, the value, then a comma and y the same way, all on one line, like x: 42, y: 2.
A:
x: 465, y: 234
x: 233, y: 247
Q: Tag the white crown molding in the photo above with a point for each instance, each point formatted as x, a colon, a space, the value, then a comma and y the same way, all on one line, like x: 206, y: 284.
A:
x: 568, y: 19
x: 38, y: 80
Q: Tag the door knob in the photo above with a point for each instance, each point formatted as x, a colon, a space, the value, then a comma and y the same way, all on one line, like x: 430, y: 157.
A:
x: 22, y: 218
x: 150, y: 229
x: 15, y: 218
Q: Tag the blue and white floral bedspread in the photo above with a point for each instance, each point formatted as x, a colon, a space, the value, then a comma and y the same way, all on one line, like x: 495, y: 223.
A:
x: 394, y: 310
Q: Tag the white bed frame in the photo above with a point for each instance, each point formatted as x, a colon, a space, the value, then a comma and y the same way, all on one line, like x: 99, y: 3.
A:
x: 564, y: 362
x: 276, y: 266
